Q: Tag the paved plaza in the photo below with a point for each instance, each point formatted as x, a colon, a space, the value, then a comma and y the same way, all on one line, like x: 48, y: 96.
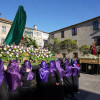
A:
x: 89, y: 86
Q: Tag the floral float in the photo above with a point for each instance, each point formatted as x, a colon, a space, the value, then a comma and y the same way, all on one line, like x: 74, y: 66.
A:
x: 90, y: 59
x: 20, y: 52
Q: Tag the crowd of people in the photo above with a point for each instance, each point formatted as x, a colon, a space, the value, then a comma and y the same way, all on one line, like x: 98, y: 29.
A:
x: 51, y: 81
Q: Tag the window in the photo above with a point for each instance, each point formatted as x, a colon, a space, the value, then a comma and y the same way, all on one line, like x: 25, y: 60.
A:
x: 45, y: 41
x: 52, y: 36
x: 2, y: 40
x: 95, y: 25
x: 3, y: 28
x: 74, y: 31
x: 62, y: 34
x: 37, y: 33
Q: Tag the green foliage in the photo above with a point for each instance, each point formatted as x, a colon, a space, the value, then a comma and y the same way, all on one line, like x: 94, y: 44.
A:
x: 56, y: 46
x: 30, y: 41
x: 68, y: 44
x: 85, y: 49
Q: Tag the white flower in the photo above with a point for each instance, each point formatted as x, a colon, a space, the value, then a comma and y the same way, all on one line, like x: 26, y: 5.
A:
x: 5, y: 49
x: 7, y: 52
x: 0, y: 55
x: 9, y: 49
x: 47, y: 56
x: 17, y: 56
x: 24, y: 51
x: 10, y: 55
x: 16, y: 50
x: 21, y: 51
x: 13, y: 50
x: 12, y: 46
x: 1, y: 52
x: 15, y: 47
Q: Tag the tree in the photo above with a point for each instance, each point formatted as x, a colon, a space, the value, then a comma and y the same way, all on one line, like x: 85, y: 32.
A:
x: 68, y: 45
x: 56, y: 46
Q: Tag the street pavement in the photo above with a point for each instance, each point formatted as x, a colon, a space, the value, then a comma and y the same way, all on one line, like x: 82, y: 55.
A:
x: 89, y: 87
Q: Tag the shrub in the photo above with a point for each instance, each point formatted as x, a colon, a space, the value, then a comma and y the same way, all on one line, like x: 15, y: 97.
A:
x: 85, y: 49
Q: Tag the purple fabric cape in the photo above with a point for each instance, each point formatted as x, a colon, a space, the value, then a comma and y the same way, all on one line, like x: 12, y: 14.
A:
x: 52, y: 68
x: 1, y: 71
x: 61, y: 71
x: 12, y: 61
x: 75, y: 64
x: 13, y: 76
x: 68, y: 69
x: 43, y: 72
x: 74, y: 71
x: 27, y: 65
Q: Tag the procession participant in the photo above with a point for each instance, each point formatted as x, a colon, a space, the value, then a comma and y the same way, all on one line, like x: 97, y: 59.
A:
x: 75, y: 76
x: 43, y: 82
x: 27, y: 79
x: 68, y: 82
x: 61, y: 70
x: 94, y: 48
x: 13, y: 80
x: 11, y: 61
x: 3, y: 84
x: 75, y: 57
x: 54, y: 80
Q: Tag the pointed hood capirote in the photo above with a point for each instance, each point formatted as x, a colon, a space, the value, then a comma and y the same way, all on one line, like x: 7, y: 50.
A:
x: 61, y: 71
x: 68, y: 69
x: 52, y: 68
x: 13, y: 76
x: 27, y: 65
x: 43, y: 72
x: 1, y: 71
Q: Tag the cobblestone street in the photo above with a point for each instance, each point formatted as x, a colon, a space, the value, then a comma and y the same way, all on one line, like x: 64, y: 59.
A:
x: 89, y: 86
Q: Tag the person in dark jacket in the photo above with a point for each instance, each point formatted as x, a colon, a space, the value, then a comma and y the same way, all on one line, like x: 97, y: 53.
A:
x: 28, y: 81
x: 54, y: 82
x: 3, y: 83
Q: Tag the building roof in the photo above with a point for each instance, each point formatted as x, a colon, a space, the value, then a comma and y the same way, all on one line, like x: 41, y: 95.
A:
x: 5, y: 21
x: 10, y: 22
x: 75, y: 24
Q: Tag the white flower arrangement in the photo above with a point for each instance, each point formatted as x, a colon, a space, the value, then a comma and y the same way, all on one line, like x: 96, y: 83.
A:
x: 90, y: 56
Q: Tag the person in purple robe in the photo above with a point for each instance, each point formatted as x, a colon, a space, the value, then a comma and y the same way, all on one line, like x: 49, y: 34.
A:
x: 54, y: 82
x: 68, y: 81
x: 43, y: 72
x: 43, y: 85
x: 27, y: 79
x: 3, y: 83
x: 13, y: 80
x: 75, y: 76
x: 61, y: 70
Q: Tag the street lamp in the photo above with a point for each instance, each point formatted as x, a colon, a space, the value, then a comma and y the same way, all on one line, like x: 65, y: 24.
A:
x: 0, y: 14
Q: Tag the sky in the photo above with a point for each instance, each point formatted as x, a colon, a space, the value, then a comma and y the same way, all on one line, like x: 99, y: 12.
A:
x: 51, y: 15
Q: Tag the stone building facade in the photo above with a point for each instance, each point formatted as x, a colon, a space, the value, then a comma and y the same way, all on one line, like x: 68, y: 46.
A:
x: 40, y: 36
x: 84, y: 33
